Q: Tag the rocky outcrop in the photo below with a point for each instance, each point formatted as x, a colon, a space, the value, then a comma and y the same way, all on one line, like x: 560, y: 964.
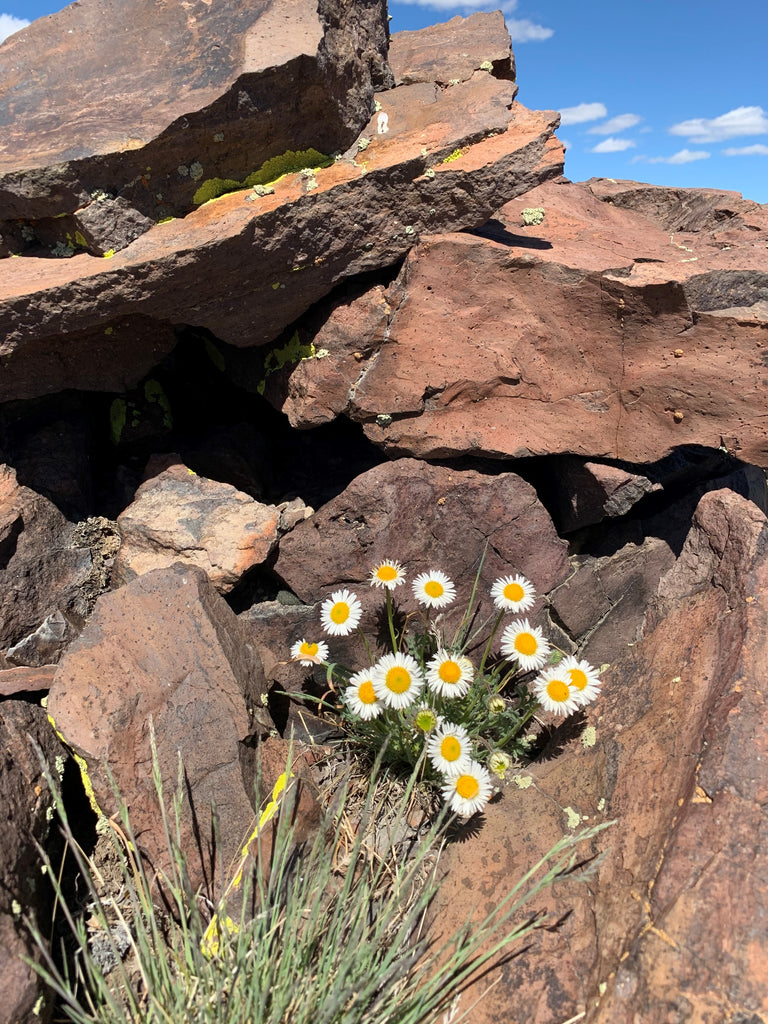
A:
x: 246, y: 266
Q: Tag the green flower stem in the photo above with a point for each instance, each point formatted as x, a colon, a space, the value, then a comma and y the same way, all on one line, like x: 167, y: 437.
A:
x: 391, y: 620
x: 371, y: 659
x: 487, y: 650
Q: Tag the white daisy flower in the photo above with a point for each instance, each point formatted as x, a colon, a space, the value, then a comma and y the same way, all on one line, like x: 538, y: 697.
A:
x: 309, y: 653
x: 469, y: 790
x: 340, y: 613
x: 433, y: 589
x: 526, y: 643
x: 553, y: 691
x: 449, y: 748
x: 450, y: 675
x: 583, y: 678
x: 513, y: 594
x: 397, y: 680
x: 361, y: 697
x: 387, y: 574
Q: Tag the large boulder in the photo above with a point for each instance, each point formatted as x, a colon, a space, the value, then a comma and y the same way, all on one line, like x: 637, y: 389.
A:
x: 166, y: 654
x: 672, y: 919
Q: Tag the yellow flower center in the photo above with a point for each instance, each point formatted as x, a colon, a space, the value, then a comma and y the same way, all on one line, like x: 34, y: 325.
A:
x: 398, y: 679
x: 365, y: 692
x: 450, y: 748
x: 386, y: 573
x: 558, y: 690
x: 308, y: 648
x: 514, y: 592
x: 467, y: 786
x: 525, y: 643
x: 434, y: 588
x: 340, y: 612
x: 450, y: 672
x: 578, y: 678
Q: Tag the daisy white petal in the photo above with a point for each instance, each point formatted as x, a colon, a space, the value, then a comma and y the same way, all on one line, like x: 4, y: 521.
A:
x: 553, y: 691
x: 310, y: 653
x: 340, y: 613
x: 449, y: 748
x: 583, y: 678
x: 360, y: 696
x: 513, y: 594
x: 387, y: 574
x: 450, y: 675
x: 397, y: 680
x: 526, y: 643
x: 433, y: 589
x: 469, y: 790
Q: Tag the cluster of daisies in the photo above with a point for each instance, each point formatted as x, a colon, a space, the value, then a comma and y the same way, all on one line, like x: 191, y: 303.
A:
x: 431, y: 697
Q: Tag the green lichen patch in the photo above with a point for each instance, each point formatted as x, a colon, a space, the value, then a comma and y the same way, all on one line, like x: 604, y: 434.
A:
x: 455, y: 155
x: 292, y: 161
x: 293, y: 352
x: 532, y: 215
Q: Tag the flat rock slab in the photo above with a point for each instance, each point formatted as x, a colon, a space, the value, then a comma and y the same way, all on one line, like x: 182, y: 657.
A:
x: 246, y: 266
x: 178, y: 516
x: 169, y: 94
x: 672, y: 923
x: 453, y: 51
x: 592, y: 333
x: 165, y: 651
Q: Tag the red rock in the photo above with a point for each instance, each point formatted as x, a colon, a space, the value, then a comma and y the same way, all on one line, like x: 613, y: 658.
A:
x: 673, y: 916
x: 178, y: 516
x: 204, y: 91
x: 454, y: 51
x: 426, y: 517
x: 26, y: 802
x: 247, y: 266
x: 604, y: 384
x: 22, y: 679
x: 588, y: 492
x: 41, y: 569
x: 166, y: 650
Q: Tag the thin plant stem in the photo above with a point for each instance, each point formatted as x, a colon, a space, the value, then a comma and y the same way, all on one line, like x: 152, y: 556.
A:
x: 391, y: 620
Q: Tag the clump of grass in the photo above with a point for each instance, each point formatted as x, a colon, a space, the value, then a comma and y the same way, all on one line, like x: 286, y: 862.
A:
x: 330, y: 931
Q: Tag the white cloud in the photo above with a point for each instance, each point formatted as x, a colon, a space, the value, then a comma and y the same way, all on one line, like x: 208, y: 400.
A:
x: 756, y: 150
x: 524, y: 31
x: 9, y: 25
x: 684, y: 156
x: 613, y: 146
x: 740, y: 121
x: 620, y: 123
x: 582, y: 112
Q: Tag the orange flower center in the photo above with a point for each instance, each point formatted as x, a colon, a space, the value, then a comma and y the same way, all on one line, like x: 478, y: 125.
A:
x: 398, y: 679
x: 450, y: 672
x: 450, y: 748
x: 340, y: 612
x: 434, y: 588
x: 365, y: 692
x: 308, y: 648
x: 386, y: 572
x: 558, y: 690
x: 514, y: 592
x: 467, y: 786
x: 578, y: 678
x: 525, y: 643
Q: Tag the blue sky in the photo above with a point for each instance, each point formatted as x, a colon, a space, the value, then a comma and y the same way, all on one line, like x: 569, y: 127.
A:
x: 664, y: 91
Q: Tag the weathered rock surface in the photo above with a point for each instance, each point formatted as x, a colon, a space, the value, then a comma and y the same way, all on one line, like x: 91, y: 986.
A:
x: 593, y: 333
x: 165, y: 651
x: 178, y: 516
x: 42, y: 571
x: 672, y: 923
x: 428, y: 517
x: 204, y: 91
x: 451, y: 52
x: 26, y: 801
x: 247, y: 265
x: 23, y: 680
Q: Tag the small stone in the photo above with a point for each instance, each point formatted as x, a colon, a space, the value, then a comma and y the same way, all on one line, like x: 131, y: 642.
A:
x: 677, y: 416
x: 678, y: 353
